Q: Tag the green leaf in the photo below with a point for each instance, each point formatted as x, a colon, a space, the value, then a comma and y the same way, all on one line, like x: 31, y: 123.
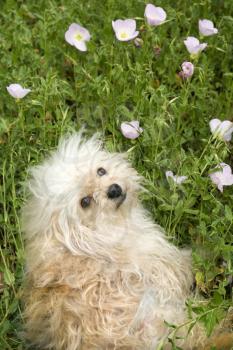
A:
x: 9, y: 277
x: 210, y: 322
x: 228, y: 213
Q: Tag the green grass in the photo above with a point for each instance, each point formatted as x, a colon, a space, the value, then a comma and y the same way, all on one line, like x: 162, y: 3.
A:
x: 111, y: 83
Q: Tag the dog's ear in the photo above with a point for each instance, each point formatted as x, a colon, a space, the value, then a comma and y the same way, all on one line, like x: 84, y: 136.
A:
x: 77, y: 238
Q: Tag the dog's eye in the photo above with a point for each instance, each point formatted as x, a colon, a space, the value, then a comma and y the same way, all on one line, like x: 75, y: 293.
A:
x: 101, y: 171
x: 85, y: 202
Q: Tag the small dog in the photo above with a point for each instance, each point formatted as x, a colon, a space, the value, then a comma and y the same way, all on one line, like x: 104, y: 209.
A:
x: 100, y: 275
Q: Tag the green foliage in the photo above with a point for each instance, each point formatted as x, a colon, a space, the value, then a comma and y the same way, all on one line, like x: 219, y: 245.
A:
x: 111, y: 83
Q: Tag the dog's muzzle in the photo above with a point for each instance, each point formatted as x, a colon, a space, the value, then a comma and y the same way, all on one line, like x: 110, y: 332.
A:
x: 115, y: 192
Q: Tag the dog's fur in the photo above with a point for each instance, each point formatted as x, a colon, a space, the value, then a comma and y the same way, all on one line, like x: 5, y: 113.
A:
x: 102, y: 277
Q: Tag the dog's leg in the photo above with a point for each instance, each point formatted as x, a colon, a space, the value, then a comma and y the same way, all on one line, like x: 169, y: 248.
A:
x: 49, y: 322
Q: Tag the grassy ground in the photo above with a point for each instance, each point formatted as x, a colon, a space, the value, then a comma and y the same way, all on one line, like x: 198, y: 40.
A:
x: 114, y: 82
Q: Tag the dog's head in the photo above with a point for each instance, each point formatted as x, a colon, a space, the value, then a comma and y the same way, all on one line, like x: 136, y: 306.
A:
x: 85, y: 183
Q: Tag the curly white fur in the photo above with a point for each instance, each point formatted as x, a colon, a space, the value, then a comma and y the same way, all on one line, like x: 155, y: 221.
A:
x: 101, y: 277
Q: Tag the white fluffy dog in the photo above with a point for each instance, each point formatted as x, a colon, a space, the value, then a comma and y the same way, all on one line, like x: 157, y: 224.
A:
x: 100, y: 274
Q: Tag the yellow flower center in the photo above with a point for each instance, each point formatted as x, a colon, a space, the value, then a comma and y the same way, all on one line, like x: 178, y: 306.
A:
x: 78, y: 37
x: 123, y: 35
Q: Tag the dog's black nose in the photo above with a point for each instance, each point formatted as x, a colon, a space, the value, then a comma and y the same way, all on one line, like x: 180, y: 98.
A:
x: 114, y: 191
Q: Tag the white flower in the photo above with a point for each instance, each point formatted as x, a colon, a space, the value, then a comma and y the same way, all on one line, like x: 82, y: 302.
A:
x: 222, y: 177
x: 77, y: 36
x: 206, y: 27
x: 125, y: 30
x: 177, y: 179
x: 222, y: 130
x: 17, y: 91
x: 154, y: 15
x: 131, y: 130
x: 187, y: 70
x: 193, y: 45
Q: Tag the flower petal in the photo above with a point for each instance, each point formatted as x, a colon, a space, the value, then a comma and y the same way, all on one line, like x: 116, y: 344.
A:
x: 202, y: 46
x: 177, y: 179
x: 226, y: 169
x: 123, y: 36
x: 222, y: 130
x: 180, y: 179
x: 77, y: 35
x: 130, y: 24
x: 154, y: 15
x: 191, y: 41
x: 17, y: 91
x: 69, y: 37
x: 223, y: 177
x: 169, y: 173
x: 131, y: 130
x: 193, y: 45
x: 214, y: 124
x: 117, y: 25
x: 220, y: 187
x: 206, y: 27
x: 227, y: 130
x: 125, y: 29
x: 85, y: 34
x: 188, y: 69
x: 80, y: 45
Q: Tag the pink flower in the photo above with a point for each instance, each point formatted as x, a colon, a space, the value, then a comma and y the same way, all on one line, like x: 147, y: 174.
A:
x: 222, y: 130
x: 177, y: 179
x: 17, y: 91
x: 223, y: 177
x: 206, y: 27
x: 77, y: 36
x: 187, y: 70
x: 125, y: 30
x: 193, y: 45
x: 154, y: 15
x: 131, y: 130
